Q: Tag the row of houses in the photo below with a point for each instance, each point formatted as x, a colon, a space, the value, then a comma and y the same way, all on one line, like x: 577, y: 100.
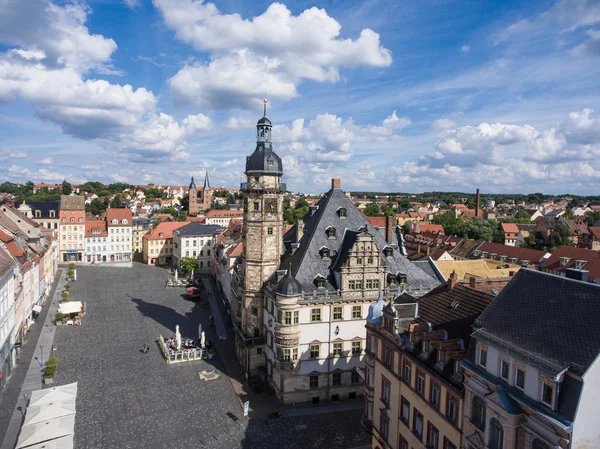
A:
x: 481, y: 364
x: 29, y: 256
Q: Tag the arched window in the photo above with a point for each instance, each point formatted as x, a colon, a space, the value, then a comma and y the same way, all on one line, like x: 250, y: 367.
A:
x: 72, y: 220
x: 81, y: 220
x: 124, y: 221
x: 478, y: 413
x: 496, y: 435
x: 52, y: 214
x: 64, y: 220
x: 539, y: 444
x: 115, y: 221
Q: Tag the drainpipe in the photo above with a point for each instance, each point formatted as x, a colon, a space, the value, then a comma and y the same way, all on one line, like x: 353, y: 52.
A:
x: 327, y: 395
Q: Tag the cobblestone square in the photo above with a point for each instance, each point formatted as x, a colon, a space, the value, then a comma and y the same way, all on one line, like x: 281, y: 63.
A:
x: 127, y: 399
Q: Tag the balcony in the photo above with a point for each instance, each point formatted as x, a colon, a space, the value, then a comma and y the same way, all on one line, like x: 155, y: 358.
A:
x: 288, y: 365
x: 260, y: 188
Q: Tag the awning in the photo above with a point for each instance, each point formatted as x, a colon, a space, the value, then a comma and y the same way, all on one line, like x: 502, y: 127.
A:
x: 59, y: 443
x: 46, y: 431
x: 69, y: 307
x: 46, y: 412
x: 55, y: 394
x: 37, y: 308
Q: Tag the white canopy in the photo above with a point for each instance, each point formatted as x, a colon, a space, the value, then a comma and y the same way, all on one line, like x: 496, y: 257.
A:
x: 55, y: 394
x: 70, y: 307
x: 37, y: 308
x: 46, y: 431
x: 59, y: 443
x: 53, y: 410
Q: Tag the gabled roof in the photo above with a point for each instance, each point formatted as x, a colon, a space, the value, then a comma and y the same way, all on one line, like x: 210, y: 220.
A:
x: 510, y: 228
x: 591, y: 257
x: 595, y: 231
x: 43, y: 206
x: 165, y: 228
x: 7, y: 263
x: 95, y: 225
x: 548, y: 320
x: 120, y: 213
x: 72, y: 202
x: 532, y: 255
x: 307, y: 261
x: 197, y: 229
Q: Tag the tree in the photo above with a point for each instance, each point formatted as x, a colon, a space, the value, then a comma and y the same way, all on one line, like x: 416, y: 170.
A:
x: 568, y: 215
x: 372, y: 210
x: 288, y: 214
x: 562, y: 235
x: 66, y: 188
x: 451, y: 224
x: 116, y: 203
x: 185, y: 202
x: 182, y: 215
x: 188, y: 264
x: 592, y: 217
x: 96, y: 207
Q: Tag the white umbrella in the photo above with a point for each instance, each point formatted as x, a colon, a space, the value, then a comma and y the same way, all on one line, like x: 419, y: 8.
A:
x: 178, y: 337
x: 176, y: 275
x: 55, y: 394
x: 45, y: 412
x: 199, y: 330
x: 202, y: 339
x: 46, y: 431
x: 59, y: 443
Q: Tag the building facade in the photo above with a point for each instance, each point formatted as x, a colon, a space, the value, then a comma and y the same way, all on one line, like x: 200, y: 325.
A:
x: 140, y: 226
x: 222, y: 217
x: 158, y: 248
x: 532, y: 379
x: 199, y: 201
x: 96, y: 241
x: 72, y: 228
x: 195, y: 240
x: 46, y: 213
x: 8, y: 267
x: 119, y: 221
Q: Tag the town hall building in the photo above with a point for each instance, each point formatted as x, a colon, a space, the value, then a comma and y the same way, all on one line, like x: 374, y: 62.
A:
x: 304, y: 298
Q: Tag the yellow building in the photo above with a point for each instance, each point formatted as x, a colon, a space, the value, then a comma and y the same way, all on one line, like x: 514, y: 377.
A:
x: 413, y: 379
x: 158, y: 243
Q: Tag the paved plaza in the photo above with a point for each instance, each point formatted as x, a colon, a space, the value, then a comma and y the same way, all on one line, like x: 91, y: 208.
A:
x: 127, y: 399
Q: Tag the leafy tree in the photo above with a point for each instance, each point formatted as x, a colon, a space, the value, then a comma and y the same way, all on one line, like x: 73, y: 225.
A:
x: 185, y: 202
x: 66, y: 188
x: 116, y: 203
x: 568, y: 215
x: 592, y: 217
x: 288, y: 215
x: 301, y: 203
x: 182, y: 215
x: 562, y: 235
x: 373, y: 210
x: 9, y: 187
x: 188, y: 264
x: 96, y: 207
x: 451, y: 224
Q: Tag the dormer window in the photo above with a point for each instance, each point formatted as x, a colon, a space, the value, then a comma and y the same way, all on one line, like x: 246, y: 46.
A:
x: 388, y: 251
x: 270, y: 162
x: 38, y: 213
x: 513, y: 260
x: 115, y: 221
x: 81, y: 220
x: 64, y: 220
x: 579, y: 264
x: 124, y: 221
x: 564, y: 261
x: 160, y: 234
x: 402, y: 278
x: 52, y: 214
x: 325, y: 253
x: 330, y: 232
x: 342, y: 212
x: 320, y: 281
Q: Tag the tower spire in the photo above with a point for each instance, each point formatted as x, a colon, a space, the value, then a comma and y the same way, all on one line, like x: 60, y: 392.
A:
x: 265, y: 105
x: 206, y: 182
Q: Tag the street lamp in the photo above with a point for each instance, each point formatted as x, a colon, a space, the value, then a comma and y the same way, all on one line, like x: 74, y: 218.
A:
x: 42, y: 353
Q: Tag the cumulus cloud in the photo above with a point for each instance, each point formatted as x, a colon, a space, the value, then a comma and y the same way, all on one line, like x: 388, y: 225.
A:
x: 329, y: 138
x: 240, y: 123
x: 46, y: 161
x: 465, y: 48
x: 275, y: 50
x: 508, y: 156
x: 443, y: 123
x: 19, y: 172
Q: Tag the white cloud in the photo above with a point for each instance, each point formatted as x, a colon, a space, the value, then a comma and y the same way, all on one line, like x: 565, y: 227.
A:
x: 509, y: 157
x: 275, y: 50
x: 443, y: 123
x: 465, y: 48
x: 46, y: 161
x: 395, y: 122
x: 240, y: 123
x: 131, y: 3
x: 17, y: 155
x: 116, y: 177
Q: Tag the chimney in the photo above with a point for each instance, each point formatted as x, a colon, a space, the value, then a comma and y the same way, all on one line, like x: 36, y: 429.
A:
x: 511, y: 273
x: 389, y: 229
x: 577, y: 274
x: 299, y: 230
x: 427, y: 251
x: 452, y: 280
x: 472, y: 281
x: 419, y: 248
x: 336, y: 183
x: 477, y: 201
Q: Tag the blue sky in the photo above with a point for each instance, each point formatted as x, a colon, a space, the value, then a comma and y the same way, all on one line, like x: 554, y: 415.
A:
x: 388, y: 95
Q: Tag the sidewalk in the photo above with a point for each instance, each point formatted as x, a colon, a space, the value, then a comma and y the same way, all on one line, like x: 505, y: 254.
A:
x: 33, y: 378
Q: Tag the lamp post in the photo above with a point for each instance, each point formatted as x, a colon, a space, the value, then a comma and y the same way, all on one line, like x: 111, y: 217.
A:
x: 42, y: 353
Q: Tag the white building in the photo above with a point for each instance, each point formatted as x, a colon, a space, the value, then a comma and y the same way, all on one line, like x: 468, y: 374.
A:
x: 119, y: 222
x: 195, y: 240
x: 96, y: 241
x: 8, y: 266
x: 222, y: 217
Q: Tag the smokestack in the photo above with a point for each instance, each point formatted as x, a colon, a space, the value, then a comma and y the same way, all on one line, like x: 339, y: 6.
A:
x: 472, y: 281
x: 336, y: 183
x: 389, y: 229
x: 477, y: 201
x: 427, y: 250
x: 452, y: 280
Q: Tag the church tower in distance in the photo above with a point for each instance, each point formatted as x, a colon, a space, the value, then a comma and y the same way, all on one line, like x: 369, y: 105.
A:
x: 263, y: 231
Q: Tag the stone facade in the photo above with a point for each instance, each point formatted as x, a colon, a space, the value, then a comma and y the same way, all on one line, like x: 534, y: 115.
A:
x: 199, y: 201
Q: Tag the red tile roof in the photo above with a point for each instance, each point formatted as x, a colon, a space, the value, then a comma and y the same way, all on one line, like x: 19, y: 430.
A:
x: 378, y: 222
x: 223, y: 213
x: 595, y: 231
x: 510, y: 228
x: 121, y: 213
x: 430, y: 227
x: 532, y: 255
x: 573, y: 254
x: 164, y: 230
x: 95, y: 225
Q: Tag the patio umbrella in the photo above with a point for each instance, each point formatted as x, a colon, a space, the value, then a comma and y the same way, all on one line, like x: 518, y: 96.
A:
x: 55, y: 394
x: 46, y: 412
x: 176, y: 275
x: 59, y: 443
x: 178, y: 337
x: 192, y: 291
x: 192, y: 275
x: 200, y: 330
x: 46, y: 431
x: 202, y: 339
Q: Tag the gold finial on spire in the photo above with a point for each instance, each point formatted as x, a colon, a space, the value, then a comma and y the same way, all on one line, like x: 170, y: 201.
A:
x: 265, y: 107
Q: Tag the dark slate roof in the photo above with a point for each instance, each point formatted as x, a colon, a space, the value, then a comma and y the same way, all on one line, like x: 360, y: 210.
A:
x: 197, y: 229
x: 436, y: 308
x: 6, y: 263
x: 549, y: 321
x: 258, y: 162
x: 429, y: 267
x: 193, y: 184
x: 264, y: 121
x: 306, y: 262
x: 43, y: 206
x: 288, y: 286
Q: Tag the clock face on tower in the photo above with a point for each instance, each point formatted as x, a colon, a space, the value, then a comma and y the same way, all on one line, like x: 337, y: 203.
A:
x: 271, y: 205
